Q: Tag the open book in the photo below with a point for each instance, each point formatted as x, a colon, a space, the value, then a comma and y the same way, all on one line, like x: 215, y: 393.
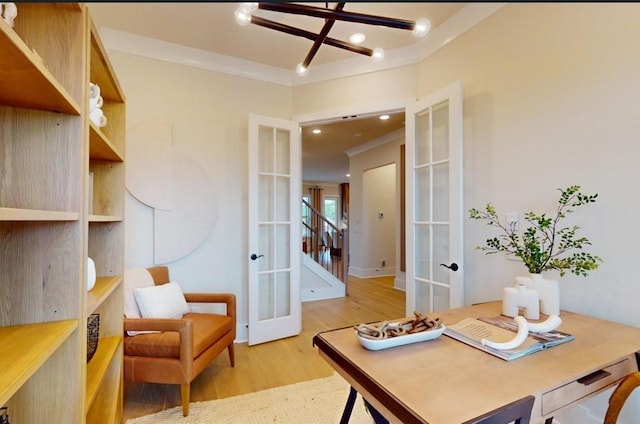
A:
x: 501, y: 329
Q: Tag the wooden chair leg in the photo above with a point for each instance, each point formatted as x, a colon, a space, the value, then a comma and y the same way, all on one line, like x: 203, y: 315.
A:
x: 232, y: 355
x: 185, y: 390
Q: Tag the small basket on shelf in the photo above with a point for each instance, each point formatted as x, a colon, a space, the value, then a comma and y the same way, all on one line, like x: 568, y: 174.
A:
x: 4, y: 415
x: 93, y: 330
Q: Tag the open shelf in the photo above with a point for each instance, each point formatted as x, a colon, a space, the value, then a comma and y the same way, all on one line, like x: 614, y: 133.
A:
x: 17, y: 214
x: 24, y: 80
x: 100, y: 147
x: 25, y: 348
x: 99, y: 365
x: 102, y: 290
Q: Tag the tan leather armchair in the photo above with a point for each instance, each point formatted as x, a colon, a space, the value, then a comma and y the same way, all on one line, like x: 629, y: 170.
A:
x: 184, y: 347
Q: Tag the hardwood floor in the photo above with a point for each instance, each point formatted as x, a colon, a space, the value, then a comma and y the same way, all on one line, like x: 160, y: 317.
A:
x: 280, y: 362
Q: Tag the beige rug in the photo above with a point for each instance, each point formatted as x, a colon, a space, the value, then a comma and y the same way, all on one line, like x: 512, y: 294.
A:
x: 310, y: 402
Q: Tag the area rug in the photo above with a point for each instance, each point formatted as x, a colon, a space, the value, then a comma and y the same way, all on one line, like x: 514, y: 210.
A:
x: 318, y: 401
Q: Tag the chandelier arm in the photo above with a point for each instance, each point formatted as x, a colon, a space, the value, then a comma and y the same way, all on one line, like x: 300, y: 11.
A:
x: 318, y: 12
x: 321, y: 37
x: 256, y: 20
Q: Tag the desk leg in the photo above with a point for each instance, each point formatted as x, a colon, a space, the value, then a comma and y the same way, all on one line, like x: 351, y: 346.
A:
x: 548, y: 420
x: 351, y: 400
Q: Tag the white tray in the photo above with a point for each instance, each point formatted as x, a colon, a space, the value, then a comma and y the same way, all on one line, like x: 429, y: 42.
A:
x: 400, y: 340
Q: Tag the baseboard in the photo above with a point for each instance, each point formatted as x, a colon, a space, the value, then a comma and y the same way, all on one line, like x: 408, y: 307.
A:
x: 388, y: 271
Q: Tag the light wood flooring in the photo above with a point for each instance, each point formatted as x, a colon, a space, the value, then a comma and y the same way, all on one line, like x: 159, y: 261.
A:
x: 280, y: 362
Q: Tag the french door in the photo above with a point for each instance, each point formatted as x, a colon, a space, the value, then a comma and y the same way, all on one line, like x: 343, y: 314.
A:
x: 434, y: 206
x: 274, y: 229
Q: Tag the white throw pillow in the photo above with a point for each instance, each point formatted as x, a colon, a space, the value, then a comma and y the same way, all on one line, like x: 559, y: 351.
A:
x: 163, y: 301
x: 134, y: 278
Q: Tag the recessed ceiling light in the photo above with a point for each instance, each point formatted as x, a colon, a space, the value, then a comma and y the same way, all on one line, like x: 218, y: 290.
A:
x: 348, y: 175
x: 384, y: 117
x: 357, y: 38
x: 317, y: 131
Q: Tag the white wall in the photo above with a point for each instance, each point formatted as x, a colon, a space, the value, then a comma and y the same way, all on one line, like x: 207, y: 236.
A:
x: 366, y: 198
x: 209, y: 112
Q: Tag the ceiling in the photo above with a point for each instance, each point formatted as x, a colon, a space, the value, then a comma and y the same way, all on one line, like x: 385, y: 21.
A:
x: 211, y: 26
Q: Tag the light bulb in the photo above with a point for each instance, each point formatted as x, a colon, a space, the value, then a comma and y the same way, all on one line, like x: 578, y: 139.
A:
x: 301, y: 70
x: 357, y: 38
x: 378, y: 54
x: 421, y: 27
x: 242, y: 17
x: 249, y: 7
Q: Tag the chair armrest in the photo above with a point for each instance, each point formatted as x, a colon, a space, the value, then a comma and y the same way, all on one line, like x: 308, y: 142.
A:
x: 183, y: 326
x: 228, y: 298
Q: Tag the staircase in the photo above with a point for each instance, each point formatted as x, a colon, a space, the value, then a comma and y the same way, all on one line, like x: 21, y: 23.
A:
x: 326, y: 254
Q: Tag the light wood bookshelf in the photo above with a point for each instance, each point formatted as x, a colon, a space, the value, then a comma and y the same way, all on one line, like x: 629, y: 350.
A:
x: 47, y: 227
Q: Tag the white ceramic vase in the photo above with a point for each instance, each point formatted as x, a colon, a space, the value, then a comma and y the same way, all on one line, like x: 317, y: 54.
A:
x: 91, y: 274
x: 548, y: 291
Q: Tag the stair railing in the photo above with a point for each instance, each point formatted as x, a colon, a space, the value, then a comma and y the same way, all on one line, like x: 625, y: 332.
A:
x: 324, y: 242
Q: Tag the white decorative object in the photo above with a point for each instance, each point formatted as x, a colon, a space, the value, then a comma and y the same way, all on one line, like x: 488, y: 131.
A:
x: 98, y: 118
x: 520, y: 297
x: 10, y: 12
x: 548, y: 291
x: 547, y: 325
x: 163, y: 301
x: 91, y: 274
x: 519, y: 338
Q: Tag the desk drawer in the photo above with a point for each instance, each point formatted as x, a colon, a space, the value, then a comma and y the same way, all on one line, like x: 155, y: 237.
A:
x: 565, y: 395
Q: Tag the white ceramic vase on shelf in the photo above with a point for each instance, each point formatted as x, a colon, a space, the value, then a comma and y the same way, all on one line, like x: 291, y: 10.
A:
x: 91, y: 274
x: 548, y: 291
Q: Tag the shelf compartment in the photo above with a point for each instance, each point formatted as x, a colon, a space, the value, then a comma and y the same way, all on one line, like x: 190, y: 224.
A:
x: 25, y: 348
x: 24, y: 80
x: 100, y: 147
x: 16, y: 214
x: 100, y: 365
x: 102, y: 290
x: 104, y: 218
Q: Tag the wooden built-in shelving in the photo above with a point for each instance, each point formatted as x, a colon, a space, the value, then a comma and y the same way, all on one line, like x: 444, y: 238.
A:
x: 25, y: 348
x: 48, y: 228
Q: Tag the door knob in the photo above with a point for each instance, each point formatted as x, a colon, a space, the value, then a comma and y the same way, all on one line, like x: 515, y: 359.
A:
x: 452, y: 267
x: 254, y: 256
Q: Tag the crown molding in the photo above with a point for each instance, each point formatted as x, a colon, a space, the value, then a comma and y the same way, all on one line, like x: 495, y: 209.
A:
x: 466, y: 18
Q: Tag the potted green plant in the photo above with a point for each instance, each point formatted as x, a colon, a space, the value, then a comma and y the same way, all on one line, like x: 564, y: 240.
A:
x: 544, y: 245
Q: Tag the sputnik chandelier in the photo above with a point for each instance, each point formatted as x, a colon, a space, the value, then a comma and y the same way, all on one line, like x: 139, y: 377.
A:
x: 244, y: 15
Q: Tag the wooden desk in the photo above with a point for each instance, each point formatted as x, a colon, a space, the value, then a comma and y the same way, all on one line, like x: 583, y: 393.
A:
x: 444, y: 381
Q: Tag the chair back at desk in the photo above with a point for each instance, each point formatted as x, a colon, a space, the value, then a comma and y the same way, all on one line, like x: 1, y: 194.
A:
x: 518, y: 412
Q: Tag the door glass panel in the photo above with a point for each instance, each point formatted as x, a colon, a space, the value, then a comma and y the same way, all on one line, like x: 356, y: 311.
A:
x: 441, y: 131
x: 440, y: 298
x: 441, y: 253
x: 423, y: 297
x: 283, y: 294
x: 441, y: 192
x: 265, y: 237
x: 422, y: 203
x: 265, y: 149
x: 282, y: 152
x: 282, y: 199
x: 267, y: 296
x: 422, y: 251
x: 282, y: 246
x: 422, y: 136
x: 265, y: 198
